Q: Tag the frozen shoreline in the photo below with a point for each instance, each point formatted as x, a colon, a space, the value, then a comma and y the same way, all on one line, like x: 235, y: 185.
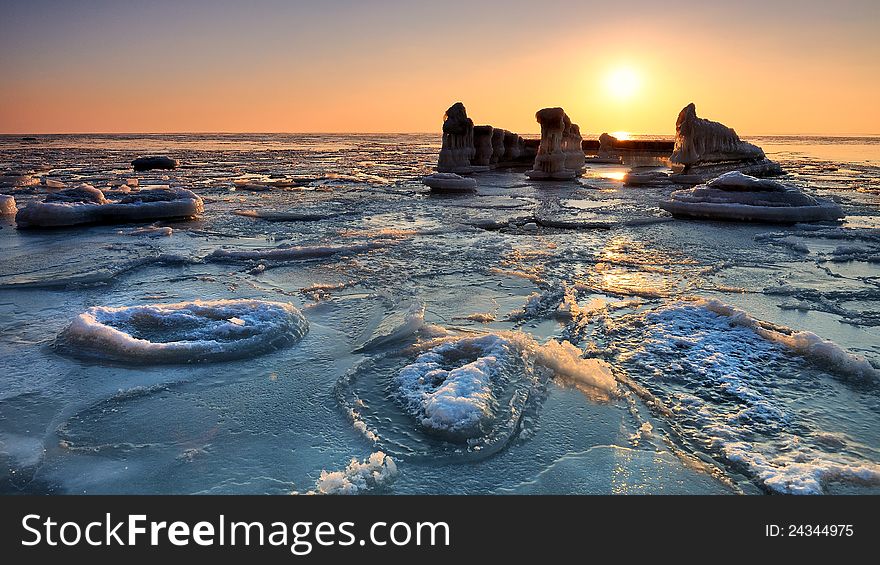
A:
x: 379, y: 267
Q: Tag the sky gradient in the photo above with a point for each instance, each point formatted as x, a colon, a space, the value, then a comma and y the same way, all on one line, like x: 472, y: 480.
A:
x: 762, y: 67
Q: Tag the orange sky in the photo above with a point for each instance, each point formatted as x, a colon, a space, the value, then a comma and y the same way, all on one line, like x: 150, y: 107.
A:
x: 760, y: 67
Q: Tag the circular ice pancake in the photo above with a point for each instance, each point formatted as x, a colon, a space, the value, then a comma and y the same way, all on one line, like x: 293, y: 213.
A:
x: 185, y: 332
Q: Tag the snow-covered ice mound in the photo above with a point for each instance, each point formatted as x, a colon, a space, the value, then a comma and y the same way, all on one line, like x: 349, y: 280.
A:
x: 185, y: 332
x: 454, y: 390
x: 375, y: 472
x: 449, y: 182
x: 7, y: 205
x: 735, y: 196
x: 86, y: 204
x: 154, y: 162
x: 449, y: 389
x: 467, y: 395
x: 755, y: 395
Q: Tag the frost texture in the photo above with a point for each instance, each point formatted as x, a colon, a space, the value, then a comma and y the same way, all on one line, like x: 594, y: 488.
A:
x: 183, y: 333
x: 377, y: 471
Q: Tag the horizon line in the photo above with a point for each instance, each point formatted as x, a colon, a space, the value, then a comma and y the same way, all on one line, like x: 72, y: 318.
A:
x: 32, y: 134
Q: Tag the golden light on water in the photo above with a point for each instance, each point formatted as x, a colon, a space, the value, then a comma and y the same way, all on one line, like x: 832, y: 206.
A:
x: 622, y: 135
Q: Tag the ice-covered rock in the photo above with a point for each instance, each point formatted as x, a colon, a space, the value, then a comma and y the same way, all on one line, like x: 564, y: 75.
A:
x: 186, y: 332
x: 86, y: 204
x: 7, y: 205
x: 498, y: 136
x: 457, y: 148
x: 735, y: 196
x: 154, y: 162
x: 606, y: 151
x: 550, y: 160
x: 483, y: 146
x: 702, y: 143
x: 512, y: 147
x: 574, y: 152
x: 449, y: 182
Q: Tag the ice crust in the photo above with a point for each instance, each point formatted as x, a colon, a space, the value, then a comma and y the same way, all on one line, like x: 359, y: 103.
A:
x: 377, y: 471
x: 454, y: 389
x: 86, y: 204
x: 736, y: 196
x: 185, y: 332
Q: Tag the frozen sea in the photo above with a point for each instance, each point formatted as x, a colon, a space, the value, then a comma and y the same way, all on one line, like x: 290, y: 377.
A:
x: 746, y: 356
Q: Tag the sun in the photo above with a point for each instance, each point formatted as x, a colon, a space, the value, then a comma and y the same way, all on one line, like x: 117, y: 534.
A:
x: 622, y: 83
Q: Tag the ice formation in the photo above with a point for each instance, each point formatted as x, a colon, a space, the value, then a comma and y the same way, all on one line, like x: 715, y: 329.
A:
x: 289, y: 252
x: 550, y: 161
x: 86, y: 204
x: 456, y: 389
x: 646, y: 178
x: 154, y: 162
x: 449, y: 182
x: 483, y: 147
x: 18, y: 178
x: 498, y: 136
x: 185, y: 332
x: 377, y: 471
x: 808, y: 344
x: 457, y: 149
x: 7, y: 205
x: 459, y: 401
x: 718, y: 369
x: 512, y: 147
x: 606, y: 151
x: 701, y: 143
x: 735, y: 196
x: 396, y: 327
x: 573, y: 147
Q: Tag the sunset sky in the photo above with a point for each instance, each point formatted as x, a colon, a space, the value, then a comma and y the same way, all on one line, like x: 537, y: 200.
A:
x: 762, y: 67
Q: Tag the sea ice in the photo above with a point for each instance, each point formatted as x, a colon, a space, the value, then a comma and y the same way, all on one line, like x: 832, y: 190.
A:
x: 290, y: 252
x: 449, y: 182
x: 185, y: 332
x: 735, y: 196
x: 86, y: 204
x: 455, y: 389
x: 377, y: 471
x: 7, y: 205
x: 396, y: 327
x: 154, y: 162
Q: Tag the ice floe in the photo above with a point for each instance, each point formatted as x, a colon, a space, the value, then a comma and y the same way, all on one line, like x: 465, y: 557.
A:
x: 375, y: 472
x: 449, y: 182
x: 291, y: 252
x: 808, y: 344
x: 455, y: 388
x: 7, y: 205
x: 735, y: 196
x: 154, y: 162
x: 86, y: 204
x: 184, y: 332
